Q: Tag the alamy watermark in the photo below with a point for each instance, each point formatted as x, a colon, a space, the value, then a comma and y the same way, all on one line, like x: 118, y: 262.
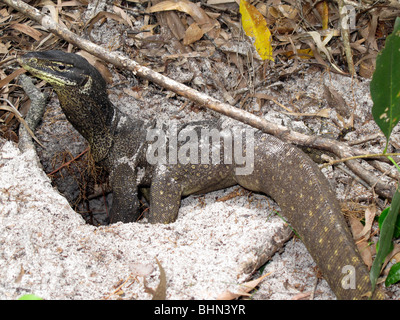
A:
x: 233, y: 146
x: 349, y: 279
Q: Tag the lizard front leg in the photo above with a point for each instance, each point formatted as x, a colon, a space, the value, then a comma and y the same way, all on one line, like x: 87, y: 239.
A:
x: 125, y: 206
x: 165, y: 199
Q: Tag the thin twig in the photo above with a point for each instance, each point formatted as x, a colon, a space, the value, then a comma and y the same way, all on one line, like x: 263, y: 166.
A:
x: 66, y: 164
x: 364, y: 156
x: 18, y: 115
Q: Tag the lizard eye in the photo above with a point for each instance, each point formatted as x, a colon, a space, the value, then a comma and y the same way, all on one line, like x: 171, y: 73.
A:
x: 62, y: 67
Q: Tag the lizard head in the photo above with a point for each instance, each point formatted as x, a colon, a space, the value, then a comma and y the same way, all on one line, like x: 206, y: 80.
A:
x: 82, y: 93
x: 62, y: 70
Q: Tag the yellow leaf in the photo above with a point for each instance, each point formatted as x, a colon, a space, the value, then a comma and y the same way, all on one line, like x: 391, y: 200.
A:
x: 325, y: 15
x: 255, y: 26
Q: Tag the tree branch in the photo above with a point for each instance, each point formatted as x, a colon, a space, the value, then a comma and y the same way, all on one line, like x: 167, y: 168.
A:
x: 340, y: 149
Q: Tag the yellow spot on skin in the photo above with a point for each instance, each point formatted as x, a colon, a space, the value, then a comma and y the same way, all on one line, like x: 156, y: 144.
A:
x: 355, y: 260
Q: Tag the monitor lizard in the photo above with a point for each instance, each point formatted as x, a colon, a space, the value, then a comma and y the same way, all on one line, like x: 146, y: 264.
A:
x: 120, y: 144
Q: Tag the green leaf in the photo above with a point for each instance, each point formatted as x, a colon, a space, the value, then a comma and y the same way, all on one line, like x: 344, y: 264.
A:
x: 385, y: 84
x: 397, y: 225
x: 385, y: 238
x: 29, y: 297
x: 394, y: 275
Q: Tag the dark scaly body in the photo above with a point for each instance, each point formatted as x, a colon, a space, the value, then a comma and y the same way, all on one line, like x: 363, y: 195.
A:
x: 280, y: 170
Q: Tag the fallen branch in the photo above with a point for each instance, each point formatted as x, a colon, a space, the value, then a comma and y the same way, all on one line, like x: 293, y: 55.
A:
x: 340, y: 149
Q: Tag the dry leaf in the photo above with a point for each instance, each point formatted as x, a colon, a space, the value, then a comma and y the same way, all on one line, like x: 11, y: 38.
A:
x: 336, y: 101
x: 392, y: 255
x: 321, y: 45
x: 4, y: 47
x: 362, y: 244
x: 323, y: 113
x: 283, y: 11
x: 12, y: 76
x: 135, y: 94
x: 255, y: 26
x: 302, y: 296
x: 323, y: 10
x: 123, y: 15
x: 24, y: 28
x: 243, y: 290
x: 192, y: 34
x: 369, y: 215
x: 160, y: 293
x: 198, y: 14
x: 190, y: 8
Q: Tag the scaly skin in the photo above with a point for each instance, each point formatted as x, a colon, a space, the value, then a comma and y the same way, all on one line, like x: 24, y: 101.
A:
x: 280, y: 170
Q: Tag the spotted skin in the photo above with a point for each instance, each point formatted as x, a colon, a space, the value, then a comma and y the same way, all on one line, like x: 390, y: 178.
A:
x: 280, y: 170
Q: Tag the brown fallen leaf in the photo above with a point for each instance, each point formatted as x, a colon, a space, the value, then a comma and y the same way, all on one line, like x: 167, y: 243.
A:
x: 336, y: 101
x: 243, y: 290
x: 198, y: 14
x: 362, y: 244
x: 188, y: 7
x: 192, y: 34
x: 12, y: 76
x: 302, y: 296
x: 28, y: 30
x: 369, y: 216
x: 161, y: 291
x: 394, y: 254
x: 123, y: 15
